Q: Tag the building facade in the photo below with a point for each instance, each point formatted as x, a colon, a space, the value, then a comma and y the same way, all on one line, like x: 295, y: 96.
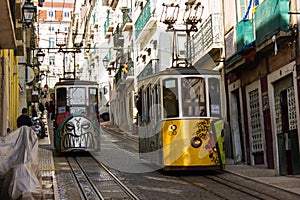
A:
x: 12, y: 39
x: 54, y: 19
x: 262, y: 81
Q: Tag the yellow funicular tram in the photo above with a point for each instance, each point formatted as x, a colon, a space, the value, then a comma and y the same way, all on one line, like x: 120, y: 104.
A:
x: 180, y: 121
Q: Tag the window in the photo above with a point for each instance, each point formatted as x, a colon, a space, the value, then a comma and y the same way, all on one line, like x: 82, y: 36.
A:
x: 51, y: 14
x: 193, y: 97
x: 77, y: 96
x: 170, y: 94
x: 78, y: 100
x: 51, y: 42
x: 93, y: 111
x: 52, y: 60
x: 242, y: 6
x: 214, y: 97
x: 66, y: 14
x: 51, y: 28
x: 146, y: 104
x: 61, y: 94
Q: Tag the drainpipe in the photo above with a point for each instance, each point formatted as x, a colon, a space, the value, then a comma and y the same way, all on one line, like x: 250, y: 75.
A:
x: 3, y: 128
x: 298, y: 67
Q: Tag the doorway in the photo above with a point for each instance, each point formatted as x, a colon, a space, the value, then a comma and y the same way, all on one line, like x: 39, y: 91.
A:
x: 286, y: 127
x: 236, y: 128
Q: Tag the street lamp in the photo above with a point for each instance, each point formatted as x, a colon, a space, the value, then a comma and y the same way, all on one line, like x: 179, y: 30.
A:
x: 61, y: 39
x: 40, y: 56
x: 192, y: 15
x: 38, y: 59
x: 78, y: 41
x: 169, y: 14
x: 105, y: 62
x: 28, y: 12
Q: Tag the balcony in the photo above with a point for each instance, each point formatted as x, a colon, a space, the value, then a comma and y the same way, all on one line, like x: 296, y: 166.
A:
x: 208, y: 39
x: 108, y: 27
x: 96, y: 25
x: 270, y: 18
x: 92, y: 33
x: 148, y: 70
x: 113, y: 3
x: 127, y: 20
x: 107, y: 35
x: 118, y: 38
x: 144, y: 22
x: 244, y: 35
x: 130, y: 74
x: 105, y: 2
x: 123, y: 78
x: 241, y: 49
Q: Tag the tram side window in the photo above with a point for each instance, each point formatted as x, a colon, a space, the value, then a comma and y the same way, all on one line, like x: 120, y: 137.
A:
x: 61, y: 101
x: 139, y: 106
x: 193, y: 97
x: 214, y: 97
x: 93, y: 104
x: 61, y: 94
x: 146, y: 105
x: 170, y: 94
x: 156, y: 115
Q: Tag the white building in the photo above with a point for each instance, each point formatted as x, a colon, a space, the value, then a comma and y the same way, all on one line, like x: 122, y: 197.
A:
x: 55, y: 16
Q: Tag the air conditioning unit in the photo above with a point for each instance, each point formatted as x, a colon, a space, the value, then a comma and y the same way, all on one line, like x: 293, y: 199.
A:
x: 230, y: 44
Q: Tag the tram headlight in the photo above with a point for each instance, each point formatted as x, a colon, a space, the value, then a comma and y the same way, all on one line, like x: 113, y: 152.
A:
x: 196, y: 142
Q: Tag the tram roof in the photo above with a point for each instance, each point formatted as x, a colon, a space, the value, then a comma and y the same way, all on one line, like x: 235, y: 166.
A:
x: 75, y: 82
x: 182, y: 71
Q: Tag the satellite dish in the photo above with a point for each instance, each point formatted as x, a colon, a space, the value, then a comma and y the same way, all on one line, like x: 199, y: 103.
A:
x: 22, y: 75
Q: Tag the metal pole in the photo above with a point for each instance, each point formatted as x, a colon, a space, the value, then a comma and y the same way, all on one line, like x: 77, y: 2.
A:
x: 64, y: 65
x: 74, y: 72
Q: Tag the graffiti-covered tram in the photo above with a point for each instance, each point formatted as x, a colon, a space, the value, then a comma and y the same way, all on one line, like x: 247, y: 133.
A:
x: 76, y: 121
x: 180, y: 119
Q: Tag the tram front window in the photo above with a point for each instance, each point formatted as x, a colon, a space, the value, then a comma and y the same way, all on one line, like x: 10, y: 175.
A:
x: 170, y: 98
x: 77, y: 100
x: 193, y: 97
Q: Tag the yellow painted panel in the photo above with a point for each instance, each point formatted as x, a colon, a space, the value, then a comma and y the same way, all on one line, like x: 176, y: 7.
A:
x: 177, y: 136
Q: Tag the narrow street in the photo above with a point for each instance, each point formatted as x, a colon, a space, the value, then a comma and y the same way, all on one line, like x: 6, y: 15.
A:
x: 119, y: 155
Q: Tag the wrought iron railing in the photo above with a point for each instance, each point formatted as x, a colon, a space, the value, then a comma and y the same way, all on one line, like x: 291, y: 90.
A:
x: 142, y: 19
x: 127, y: 18
x: 209, y: 33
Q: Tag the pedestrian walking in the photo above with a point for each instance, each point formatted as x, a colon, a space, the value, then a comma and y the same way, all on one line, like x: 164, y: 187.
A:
x: 47, y: 108
x: 33, y: 111
x: 24, y: 119
x: 41, y: 108
x: 52, y: 108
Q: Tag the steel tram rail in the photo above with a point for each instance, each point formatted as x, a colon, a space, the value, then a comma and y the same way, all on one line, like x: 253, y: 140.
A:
x: 88, y: 188
x: 239, y: 184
